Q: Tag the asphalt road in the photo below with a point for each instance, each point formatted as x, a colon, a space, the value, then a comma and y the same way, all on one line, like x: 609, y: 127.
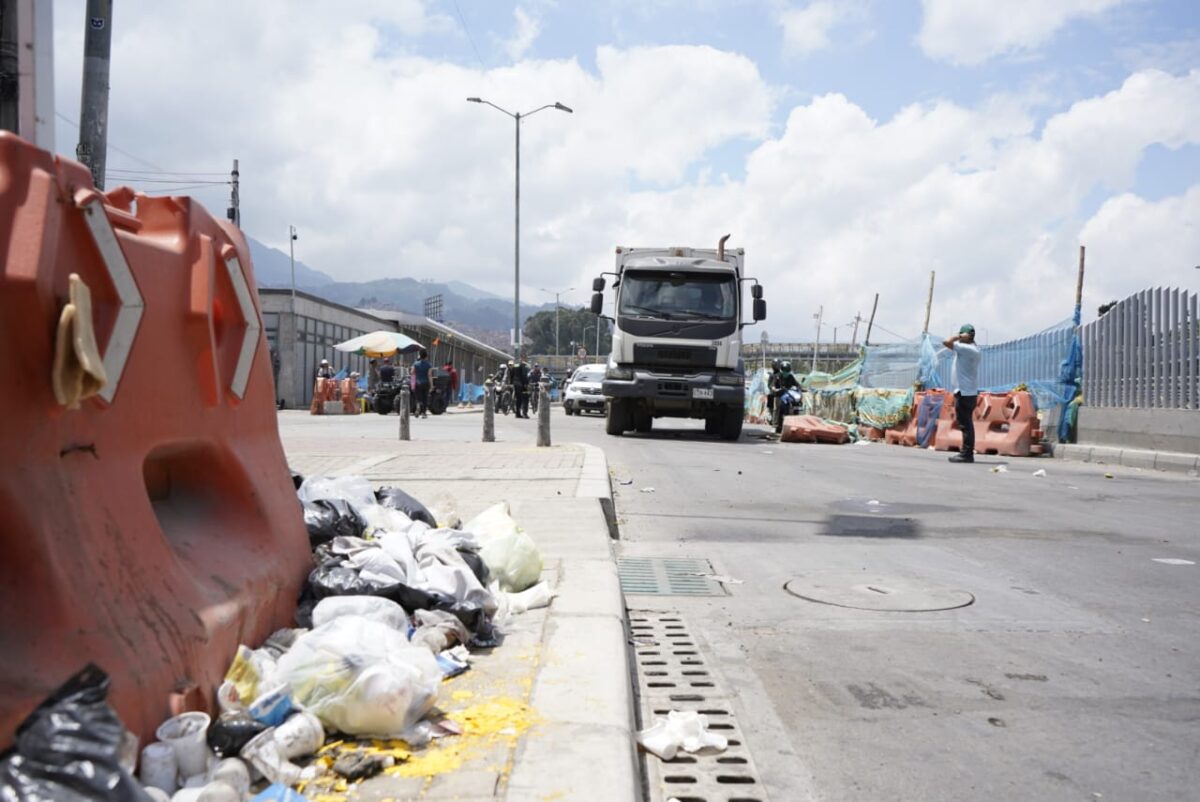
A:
x: 1072, y: 675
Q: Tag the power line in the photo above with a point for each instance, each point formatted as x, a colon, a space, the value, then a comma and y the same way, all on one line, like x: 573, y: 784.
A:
x: 164, y: 172
x: 467, y: 31
x: 894, y: 334
x: 164, y: 190
x: 111, y: 146
x: 178, y: 180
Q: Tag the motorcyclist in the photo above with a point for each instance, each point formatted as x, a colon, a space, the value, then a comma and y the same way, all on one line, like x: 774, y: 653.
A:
x: 771, y: 385
x: 783, y: 381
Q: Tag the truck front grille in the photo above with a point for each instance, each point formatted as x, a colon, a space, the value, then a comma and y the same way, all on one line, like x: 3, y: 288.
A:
x: 673, y: 388
x: 684, y: 356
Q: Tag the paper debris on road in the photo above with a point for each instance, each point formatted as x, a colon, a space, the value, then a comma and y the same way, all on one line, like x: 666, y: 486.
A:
x: 722, y: 578
x: 1040, y: 472
x: 647, y: 489
x: 679, y: 730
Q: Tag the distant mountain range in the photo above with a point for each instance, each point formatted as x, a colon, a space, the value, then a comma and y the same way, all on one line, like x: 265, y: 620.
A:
x: 474, y: 311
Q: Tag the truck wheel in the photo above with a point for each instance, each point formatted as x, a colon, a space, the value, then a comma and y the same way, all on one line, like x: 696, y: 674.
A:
x: 731, y: 423
x: 712, y: 425
x: 615, y: 420
x: 642, y: 422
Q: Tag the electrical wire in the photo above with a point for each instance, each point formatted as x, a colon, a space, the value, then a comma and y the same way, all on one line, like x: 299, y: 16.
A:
x: 467, y: 31
x: 168, y: 190
x: 894, y: 334
x: 137, y: 159
x: 177, y: 180
x: 163, y: 172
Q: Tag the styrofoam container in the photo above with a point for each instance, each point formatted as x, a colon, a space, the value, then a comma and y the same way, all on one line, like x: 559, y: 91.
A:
x: 158, y: 768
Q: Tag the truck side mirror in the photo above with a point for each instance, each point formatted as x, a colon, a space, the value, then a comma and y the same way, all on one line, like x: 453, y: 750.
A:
x: 597, y: 302
x: 760, y: 309
x: 756, y: 291
x: 598, y: 284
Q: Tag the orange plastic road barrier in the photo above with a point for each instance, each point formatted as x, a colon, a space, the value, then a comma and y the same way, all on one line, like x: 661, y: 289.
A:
x: 1006, y: 424
x: 349, y: 399
x: 811, y: 429
x: 155, y: 526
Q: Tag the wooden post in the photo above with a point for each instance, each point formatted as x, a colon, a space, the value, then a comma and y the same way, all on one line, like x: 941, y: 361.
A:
x: 871, y: 322
x: 1079, y: 289
x: 929, y: 302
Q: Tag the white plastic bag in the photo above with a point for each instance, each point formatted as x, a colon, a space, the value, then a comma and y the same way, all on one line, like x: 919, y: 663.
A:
x: 679, y: 730
x: 510, y: 554
x: 354, y: 489
x: 374, y: 608
x: 361, y: 677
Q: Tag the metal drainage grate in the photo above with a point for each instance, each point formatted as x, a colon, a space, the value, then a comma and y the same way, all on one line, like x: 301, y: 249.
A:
x: 673, y: 675
x: 670, y: 576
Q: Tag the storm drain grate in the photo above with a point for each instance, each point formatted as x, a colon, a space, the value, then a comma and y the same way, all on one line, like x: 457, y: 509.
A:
x: 668, y: 576
x: 673, y: 674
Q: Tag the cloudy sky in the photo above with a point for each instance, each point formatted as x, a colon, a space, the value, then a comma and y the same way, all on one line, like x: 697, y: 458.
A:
x: 850, y: 146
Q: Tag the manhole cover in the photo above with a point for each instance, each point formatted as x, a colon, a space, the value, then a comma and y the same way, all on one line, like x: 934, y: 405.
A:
x: 863, y: 591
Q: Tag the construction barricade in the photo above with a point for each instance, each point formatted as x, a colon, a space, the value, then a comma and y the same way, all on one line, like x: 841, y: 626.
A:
x: 1006, y: 424
x: 812, y: 429
x: 151, y: 524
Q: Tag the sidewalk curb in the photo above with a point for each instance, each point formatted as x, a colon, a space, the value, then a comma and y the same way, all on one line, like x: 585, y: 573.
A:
x: 1174, y: 462
x: 586, y: 749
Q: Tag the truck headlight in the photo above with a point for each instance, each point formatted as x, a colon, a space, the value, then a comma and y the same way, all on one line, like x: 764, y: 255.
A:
x: 623, y: 374
x: 730, y: 378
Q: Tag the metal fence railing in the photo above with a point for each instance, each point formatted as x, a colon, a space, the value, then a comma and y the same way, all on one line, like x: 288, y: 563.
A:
x: 1144, y: 352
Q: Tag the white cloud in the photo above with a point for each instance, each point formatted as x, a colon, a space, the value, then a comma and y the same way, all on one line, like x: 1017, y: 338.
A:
x: 528, y: 28
x: 969, y: 32
x: 373, y: 153
x: 808, y: 29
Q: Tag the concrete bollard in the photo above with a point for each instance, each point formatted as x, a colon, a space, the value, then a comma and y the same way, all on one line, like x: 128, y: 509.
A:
x: 489, y: 412
x: 403, y: 401
x: 543, y: 391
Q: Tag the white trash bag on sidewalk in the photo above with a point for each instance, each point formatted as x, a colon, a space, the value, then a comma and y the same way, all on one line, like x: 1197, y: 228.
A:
x: 511, y: 555
x: 375, y: 608
x: 361, y: 677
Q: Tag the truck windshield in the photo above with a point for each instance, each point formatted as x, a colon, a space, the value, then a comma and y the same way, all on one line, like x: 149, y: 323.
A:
x: 672, y: 295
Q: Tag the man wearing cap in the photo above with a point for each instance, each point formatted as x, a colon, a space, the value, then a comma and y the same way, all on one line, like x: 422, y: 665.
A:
x: 966, y: 388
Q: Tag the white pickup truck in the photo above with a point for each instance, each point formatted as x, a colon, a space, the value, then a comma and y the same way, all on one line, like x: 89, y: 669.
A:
x: 677, y: 337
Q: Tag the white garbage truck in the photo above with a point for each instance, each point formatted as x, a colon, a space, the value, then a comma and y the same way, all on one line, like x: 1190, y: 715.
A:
x: 678, y: 315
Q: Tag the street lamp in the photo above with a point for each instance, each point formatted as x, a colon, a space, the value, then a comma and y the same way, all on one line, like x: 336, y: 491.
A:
x: 820, y: 313
x: 517, y: 117
x: 297, y: 381
x: 556, y: 294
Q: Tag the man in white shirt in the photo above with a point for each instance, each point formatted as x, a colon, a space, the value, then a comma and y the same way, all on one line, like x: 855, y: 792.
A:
x: 966, y: 388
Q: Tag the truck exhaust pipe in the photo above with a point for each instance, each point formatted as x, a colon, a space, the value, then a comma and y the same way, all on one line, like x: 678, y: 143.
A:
x: 721, y: 248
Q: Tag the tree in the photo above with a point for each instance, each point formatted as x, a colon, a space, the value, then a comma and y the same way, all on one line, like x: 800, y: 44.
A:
x: 573, y: 324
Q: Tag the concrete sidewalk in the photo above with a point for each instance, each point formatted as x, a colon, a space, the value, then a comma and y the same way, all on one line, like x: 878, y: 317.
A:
x: 568, y: 662
x: 1174, y: 462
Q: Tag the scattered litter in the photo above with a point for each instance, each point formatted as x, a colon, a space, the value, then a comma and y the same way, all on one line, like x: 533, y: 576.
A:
x: 361, y: 766
x: 863, y: 442
x: 722, y: 578
x: 1000, y: 469
x: 1145, y: 620
x: 273, y: 706
x: 234, y: 773
x: 766, y: 452
x: 1040, y: 472
x: 185, y: 734
x: 1108, y: 476
x: 647, y: 489
x: 1172, y: 561
x: 226, y: 736
x: 68, y: 748
x: 873, y: 502
x: 679, y: 730
x: 510, y: 554
x: 264, y: 754
x: 278, y: 792
x: 625, y: 481
x: 1072, y: 487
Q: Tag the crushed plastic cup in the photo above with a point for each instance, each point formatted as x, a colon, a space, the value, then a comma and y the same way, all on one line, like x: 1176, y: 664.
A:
x: 186, y: 795
x: 232, y: 771
x: 158, y: 767
x: 300, y: 735
x: 156, y: 794
x: 219, y: 791
x: 686, y: 730
x: 185, y: 733
x: 262, y: 752
x: 272, y: 706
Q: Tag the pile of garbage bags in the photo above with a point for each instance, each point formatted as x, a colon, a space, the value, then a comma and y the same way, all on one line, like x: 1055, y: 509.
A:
x: 397, y: 596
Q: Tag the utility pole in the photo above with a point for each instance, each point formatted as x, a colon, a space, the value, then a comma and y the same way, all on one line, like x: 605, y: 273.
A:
x: 854, y: 338
x: 871, y: 322
x: 298, y: 379
x: 10, y: 84
x: 1079, y: 290
x: 929, y: 302
x: 817, y: 344
x: 235, y: 210
x: 93, y: 113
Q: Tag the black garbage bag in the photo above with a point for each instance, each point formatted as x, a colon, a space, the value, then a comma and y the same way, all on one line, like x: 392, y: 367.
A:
x: 326, y: 519
x: 297, y: 479
x: 476, y: 564
x: 338, y: 579
x: 230, y: 732
x: 67, y: 749
x: 397, y: 499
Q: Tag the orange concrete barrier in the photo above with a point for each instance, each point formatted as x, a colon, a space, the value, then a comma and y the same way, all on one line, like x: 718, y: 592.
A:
x: 154, y: 526
x: 811, y: 429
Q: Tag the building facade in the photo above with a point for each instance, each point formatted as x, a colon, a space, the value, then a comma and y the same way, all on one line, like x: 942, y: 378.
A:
x: 303, y: 329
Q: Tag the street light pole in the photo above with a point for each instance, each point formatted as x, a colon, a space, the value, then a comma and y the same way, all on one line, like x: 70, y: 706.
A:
x: 820, y: 313
x: 517, y: 213
x: 297, y: 386
x: 556, y: 295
